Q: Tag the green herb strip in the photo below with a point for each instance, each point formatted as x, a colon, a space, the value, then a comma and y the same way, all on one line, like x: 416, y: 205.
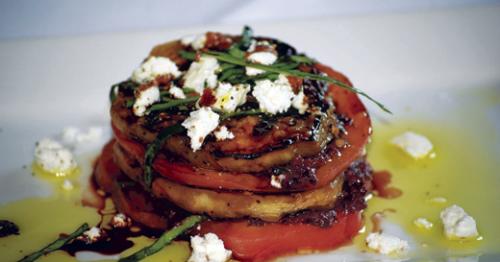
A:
x: 172, y: 103
x: 302, y: 59
x: 130, y: 103
x: 165, y: 239
x: 240, y: 113
x: 187, y: 55
x: 188, y: 90
x: 127, y: 86
x: 246, y: 38
x: 56, y: 244
x: 153, y: 148
x: 113, y: 93
x: 235, y: 51
x: 224, y: 57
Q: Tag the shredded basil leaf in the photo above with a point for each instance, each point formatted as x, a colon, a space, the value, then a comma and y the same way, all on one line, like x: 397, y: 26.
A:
x: 113, y: 93
x: 127, y: 86
x: 172, y: 103
x: 188, y: 90
x: 164, y: 239
x: 240, y: 113
x: 187, y: 55
x: 55, y: 245
x: 130, y: 103
x: 246, y: 38
x: 302, y: 59
x: 235, y: 51
x: 153, y: 148
x: 293, y: 72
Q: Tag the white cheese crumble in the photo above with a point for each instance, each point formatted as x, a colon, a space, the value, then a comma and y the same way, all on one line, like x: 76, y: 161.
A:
x: 457, y: 223
x: 438, y: 200
x: 273, y: 96
x: 223, y: 134
x: 53, y: 157
x: 195, y: 41
x: 67, y: 185
x: 73, y: 136
x: 415, y: 145
x: 264, y: 58
x: 177, y: 92
x: 144, y: 99
x: 423, y: 223
x: 386, y: 244
x: 199, y: 124
x: 153, y: 67
x: 251, y: 47
x: 120, y: 221
x: 208, y: 248
x: 277, y: 180
x: 92, y: 235
x: 299, y: 102
x: 201, y: 74
x: 229, y: 97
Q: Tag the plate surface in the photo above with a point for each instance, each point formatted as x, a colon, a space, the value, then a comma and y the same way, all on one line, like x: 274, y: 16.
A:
x: 417, y: 64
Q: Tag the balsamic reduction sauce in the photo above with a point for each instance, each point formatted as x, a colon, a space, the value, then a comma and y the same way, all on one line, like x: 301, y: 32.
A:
x: 115, y: 241
x: 8, y: 228
x: 381, y: 181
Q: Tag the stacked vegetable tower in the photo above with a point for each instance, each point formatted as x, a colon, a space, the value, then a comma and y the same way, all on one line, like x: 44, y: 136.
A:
x: 265, y: 143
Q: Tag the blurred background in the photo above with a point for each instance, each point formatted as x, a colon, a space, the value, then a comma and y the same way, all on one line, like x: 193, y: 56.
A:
x: 33, y: 18
x: 58, y: 58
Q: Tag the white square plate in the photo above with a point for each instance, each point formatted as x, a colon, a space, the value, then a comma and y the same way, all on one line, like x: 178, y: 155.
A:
x: 47, y: 84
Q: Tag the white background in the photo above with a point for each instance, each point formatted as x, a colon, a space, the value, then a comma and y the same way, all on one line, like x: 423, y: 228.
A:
x: 33, y: 18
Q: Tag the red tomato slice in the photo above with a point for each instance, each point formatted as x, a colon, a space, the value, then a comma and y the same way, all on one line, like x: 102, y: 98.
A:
x: 186, y: 174
x: 347, y: 103
x: 105, y: 169
x: 259, y: 243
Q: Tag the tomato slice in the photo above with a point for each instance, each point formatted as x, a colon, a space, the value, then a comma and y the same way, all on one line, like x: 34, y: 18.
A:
x: 199, y: 177
x: 264, y: 242
x: 105, y: 169
x: 347, y: 103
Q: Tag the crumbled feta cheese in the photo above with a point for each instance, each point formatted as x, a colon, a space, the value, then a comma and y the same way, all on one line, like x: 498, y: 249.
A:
x: 251, y: 47
x: 155, y: 66
x: 201, y: 74
x: 415, y: 145
x: 208, y: 248
x: 264, y: 58
x: 72, y: 136
x: 273, y: 97
x: 144, y: 99
x: 67, y: 185
x: 223, y: 133
x: 277, y: 180
x: 438, y: 200
x: 177, y: 92
x: 51, y: 156
x: 299, y: 102
x: 386, y: 244
x: 195, y: 41
x: 92, y: 235
x: 120, y: 221
x: 199, y: 124
x: 457, y: 223
x: 229, y: 97
x: 423, y: 223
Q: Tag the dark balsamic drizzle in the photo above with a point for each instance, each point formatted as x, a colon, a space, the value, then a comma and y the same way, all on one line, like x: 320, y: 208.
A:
x: 357, y: 184
x: 115, y: 241
x: 8, y: 228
